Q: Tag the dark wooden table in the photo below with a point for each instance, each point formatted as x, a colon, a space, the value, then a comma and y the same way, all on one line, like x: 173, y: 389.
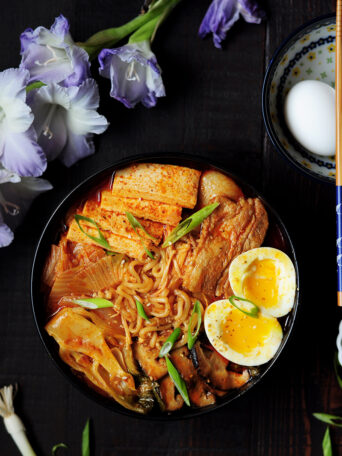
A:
x: 213, y: 109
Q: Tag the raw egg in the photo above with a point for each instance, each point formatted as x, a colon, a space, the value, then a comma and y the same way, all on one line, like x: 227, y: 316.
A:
x: 309, y: 112
x: 265, y: 276
x: 240, y: 338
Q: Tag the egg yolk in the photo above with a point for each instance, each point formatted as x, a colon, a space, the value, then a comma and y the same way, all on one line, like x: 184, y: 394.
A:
x: 243, y: 333
x: 260, y: 284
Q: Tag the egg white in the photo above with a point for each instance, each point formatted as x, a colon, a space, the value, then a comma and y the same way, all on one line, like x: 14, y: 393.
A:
x: 286, y: 278
x: 214, y: 319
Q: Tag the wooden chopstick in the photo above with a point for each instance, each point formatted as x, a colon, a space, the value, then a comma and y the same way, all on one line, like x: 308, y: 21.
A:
x: 338, y: 91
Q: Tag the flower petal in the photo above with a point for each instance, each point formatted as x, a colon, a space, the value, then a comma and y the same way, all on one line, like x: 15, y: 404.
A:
x: 13, y: 83
x: 80, y: 65
x: 60, y: 27
x: 54, y: 137
x: 6, y: 235
x: 21, y: 154
x: 18, y: 114
x: 46, y: 63
x: 251, y: 12
x: 222, y: 14
x: 8, y: 176
x: 21, y: 195
x: 77, y: 147
x: 134, y: 74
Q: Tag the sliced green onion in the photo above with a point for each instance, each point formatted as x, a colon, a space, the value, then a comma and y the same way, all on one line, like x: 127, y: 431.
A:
x: 93, y: 303
x: 326, y: 443
x: 169, y: 343
x: 141, y: 310
x: 337, y: 367
x: 135, y: 224
x: 192, y: 338
x: 334, y: 420
x: 178, y: 381
x: 251, y: 313
x: 101, y: 239
x: 86, y: 439
x: 110, y: 253
x: 56, y: 447
x: 189, y: 224
x: 34, y: 85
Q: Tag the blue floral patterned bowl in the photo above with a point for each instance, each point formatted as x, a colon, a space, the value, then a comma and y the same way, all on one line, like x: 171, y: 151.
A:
x: 308, y: 53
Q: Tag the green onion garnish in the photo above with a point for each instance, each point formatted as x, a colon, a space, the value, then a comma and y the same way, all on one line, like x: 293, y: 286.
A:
x: 101, y: 239
x: 86, y: 440
x: 334, y: 420
x: 93, y: 303
x: 337, y: 367
x: 192, y: 338
x: 169, y: 343
x: 178, y: 381
x: 141, y: 310
x: 55, y: 447
x: 34, y: 85
x: 135, y: 224
x: 189, y: 224
x: 326, y: 443
x: 251, y: 313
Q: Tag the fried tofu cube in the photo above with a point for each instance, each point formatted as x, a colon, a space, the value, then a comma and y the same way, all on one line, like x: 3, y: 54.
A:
x: 168, y: 214
x: 169, y: 184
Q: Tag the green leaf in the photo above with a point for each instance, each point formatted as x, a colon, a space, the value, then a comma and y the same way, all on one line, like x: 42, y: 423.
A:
x: 101, y: 239
x: 178, y: 381
x: 333, y: 420
x: 141, y: 310
x: 93, y: 303
x: 169, y: 343
x: 34, y: 85
x: 189, y: 224
x: 135, y: 224
x: 86, y: 439
x: 326, y: 443
x: 56, y: 447
x: 254, y: 309
x: 192, y: 338
x: 337, y: 367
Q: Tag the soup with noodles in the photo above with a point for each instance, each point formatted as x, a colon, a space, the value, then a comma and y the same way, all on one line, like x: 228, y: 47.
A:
x: 130, y: 279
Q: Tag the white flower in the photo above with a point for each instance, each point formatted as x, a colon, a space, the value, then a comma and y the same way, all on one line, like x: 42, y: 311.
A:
x: 64, y: 119
x: 19, y: 151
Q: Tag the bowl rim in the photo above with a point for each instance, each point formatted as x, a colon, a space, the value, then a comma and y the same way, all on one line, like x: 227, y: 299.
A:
x: 265, y: 106
x: 65, y: 370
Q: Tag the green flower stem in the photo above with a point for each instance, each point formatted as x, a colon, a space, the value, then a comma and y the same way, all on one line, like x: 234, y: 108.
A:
x: 109, y: 37
x: 145, y: 32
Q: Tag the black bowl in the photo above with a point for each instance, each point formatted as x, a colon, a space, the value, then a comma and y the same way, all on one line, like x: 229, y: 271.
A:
x: 277, y: 237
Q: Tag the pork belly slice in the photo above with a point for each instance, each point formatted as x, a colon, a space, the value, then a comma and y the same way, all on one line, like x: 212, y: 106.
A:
x: 151, y: 210
x: 230, y: 230
x: 131, y: 247
x: 118, y: 223
x: 169, y: 184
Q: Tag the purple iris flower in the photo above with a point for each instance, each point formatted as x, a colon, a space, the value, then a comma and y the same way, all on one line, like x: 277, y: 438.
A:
x: 134, y: 74
x: 16, y: 196
x: 222, y: 14
x: 19, y: 151
x: 52, y: 56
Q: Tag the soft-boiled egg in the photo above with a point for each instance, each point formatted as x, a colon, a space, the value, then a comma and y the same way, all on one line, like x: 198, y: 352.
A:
x: 240, y: 338
x: 309, y: 111
x: 267, y: 277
